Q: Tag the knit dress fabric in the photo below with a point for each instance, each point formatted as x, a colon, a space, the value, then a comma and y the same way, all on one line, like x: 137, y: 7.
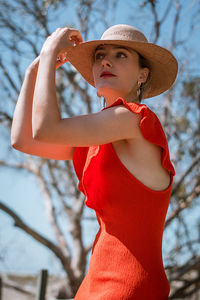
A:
x: 126, y: 260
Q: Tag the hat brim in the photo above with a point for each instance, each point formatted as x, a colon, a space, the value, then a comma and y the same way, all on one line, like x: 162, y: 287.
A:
x: 163, y: 64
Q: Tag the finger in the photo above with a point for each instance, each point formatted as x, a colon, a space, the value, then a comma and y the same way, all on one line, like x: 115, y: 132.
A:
x: 76, y: 33
x: 60, y: 63
x: 75, y: 41
x: 76, y: 38
x: 56, y: 31
x: 62, y: 56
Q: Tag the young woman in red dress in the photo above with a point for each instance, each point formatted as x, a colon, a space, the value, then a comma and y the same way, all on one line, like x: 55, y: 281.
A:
x: 120, y: 154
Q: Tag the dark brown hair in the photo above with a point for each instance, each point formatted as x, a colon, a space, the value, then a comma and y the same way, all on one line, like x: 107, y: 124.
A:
x: 143, y: 63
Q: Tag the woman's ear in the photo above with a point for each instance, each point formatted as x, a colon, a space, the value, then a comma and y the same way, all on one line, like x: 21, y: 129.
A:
x: 143, y: 75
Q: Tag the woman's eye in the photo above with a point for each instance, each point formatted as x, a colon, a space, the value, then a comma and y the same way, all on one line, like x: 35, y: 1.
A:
x: 98, y: 56
x: 121, y: 54
x: 101, y: 55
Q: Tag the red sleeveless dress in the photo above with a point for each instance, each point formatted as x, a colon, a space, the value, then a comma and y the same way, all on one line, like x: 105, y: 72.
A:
x: 126, y: 261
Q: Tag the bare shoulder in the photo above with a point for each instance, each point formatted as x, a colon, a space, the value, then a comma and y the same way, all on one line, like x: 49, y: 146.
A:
x: 125, y: 118
x: 127, y: 113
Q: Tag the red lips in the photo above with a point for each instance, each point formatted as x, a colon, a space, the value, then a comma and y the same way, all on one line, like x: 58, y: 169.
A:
x: 106, y: 74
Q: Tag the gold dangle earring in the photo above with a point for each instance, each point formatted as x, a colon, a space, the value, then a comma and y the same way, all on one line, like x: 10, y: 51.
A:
x: 138, y: 90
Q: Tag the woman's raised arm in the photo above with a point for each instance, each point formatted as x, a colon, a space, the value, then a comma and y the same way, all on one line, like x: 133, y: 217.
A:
x: 21, y: 130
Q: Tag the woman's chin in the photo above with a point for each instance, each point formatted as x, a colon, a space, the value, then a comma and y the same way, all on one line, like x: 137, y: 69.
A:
x: 108, y: 92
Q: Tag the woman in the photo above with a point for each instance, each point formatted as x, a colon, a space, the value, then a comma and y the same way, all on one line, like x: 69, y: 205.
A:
x: 120, y: 154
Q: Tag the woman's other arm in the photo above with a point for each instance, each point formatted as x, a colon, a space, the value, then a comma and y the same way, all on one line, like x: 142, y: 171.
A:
x: 21, y: 130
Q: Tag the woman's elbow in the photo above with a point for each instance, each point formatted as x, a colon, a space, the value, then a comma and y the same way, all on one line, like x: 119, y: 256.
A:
x: 16, y: 137
x: 15, y: 142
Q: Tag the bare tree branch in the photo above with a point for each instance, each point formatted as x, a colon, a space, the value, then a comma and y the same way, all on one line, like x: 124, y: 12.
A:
x: 175, y: 25
x: 7, y: 75
x: 167, y: 10
x: 47, y: 243
x: 186, y: 173
x: 50, y: 211
x: 38, y: 237
x: 18, y: 287
x: 183, y: 204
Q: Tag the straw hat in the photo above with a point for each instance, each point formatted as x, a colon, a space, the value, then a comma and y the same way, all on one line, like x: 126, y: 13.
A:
x: 163, y: 65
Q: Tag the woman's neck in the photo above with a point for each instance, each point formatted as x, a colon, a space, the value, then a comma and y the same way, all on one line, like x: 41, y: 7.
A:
x: 110, y: 101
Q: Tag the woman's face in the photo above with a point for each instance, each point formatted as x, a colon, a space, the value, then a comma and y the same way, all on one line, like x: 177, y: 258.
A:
x: 123, y: 63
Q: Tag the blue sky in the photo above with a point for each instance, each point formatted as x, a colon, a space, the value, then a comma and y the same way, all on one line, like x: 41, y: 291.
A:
x: 20, y: 190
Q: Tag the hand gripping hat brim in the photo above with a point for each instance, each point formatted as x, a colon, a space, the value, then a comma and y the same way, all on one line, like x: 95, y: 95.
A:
x: 163, y: 65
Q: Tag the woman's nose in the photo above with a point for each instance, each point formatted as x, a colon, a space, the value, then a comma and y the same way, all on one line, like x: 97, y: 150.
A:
x: 106, y: 62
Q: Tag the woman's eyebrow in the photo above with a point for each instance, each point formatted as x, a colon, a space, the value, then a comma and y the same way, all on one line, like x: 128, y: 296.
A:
x: 121, y: 47
x: 102, y: 47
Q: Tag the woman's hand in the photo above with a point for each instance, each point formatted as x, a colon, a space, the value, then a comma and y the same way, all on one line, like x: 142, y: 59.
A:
x: 33, y: 67
x: 60, y: 40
